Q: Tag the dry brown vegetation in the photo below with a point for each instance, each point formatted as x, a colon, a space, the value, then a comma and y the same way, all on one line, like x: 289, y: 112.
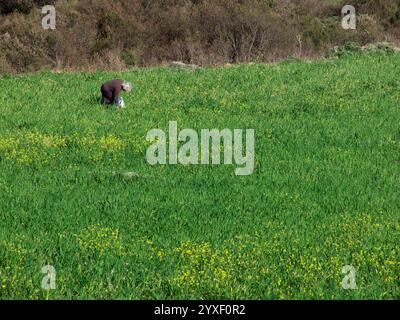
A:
x: 100, y: 34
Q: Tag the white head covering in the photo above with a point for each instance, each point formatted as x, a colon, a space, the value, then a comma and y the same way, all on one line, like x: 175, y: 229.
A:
x: 127, y: 86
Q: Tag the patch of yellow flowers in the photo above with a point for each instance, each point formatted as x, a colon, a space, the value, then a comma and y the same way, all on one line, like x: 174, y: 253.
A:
x: 203, y: 265
x: 288, y: 271
x: 31, y: 147
x: 100, y: 240
x: 98, y: 149
x: 34, y: 147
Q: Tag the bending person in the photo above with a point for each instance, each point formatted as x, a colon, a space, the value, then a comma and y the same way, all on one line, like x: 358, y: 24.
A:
x: 111, y: 92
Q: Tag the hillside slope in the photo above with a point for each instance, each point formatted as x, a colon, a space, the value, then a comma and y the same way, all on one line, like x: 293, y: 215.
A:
x: 115, y: 35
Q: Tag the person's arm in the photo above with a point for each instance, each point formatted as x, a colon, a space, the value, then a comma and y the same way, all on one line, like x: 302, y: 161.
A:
x: 117, y: 91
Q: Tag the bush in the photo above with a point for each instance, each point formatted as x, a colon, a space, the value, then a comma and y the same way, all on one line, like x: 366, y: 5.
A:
x: 128, y: 58
x: 349, y: 48
x: 22, y: 6
x: 383, y: 47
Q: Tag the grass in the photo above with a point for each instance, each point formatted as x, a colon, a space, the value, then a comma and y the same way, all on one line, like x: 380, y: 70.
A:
x: 324, y: 194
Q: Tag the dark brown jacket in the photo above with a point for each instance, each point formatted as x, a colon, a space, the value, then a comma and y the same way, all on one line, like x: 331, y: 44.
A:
x: 111, y: 90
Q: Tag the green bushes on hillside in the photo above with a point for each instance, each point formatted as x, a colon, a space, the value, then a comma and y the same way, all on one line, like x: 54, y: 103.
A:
x: 118, y: 34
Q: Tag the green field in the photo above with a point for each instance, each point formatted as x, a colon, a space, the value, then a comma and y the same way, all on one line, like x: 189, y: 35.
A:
x: 325, y: 192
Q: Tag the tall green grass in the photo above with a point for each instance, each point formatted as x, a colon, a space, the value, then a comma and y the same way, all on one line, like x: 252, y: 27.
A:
x: 324, y: 194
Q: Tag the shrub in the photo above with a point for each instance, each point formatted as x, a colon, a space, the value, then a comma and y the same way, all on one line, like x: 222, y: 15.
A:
x: 349, y: 48
x: 22, y: 6
x: 129, y: 58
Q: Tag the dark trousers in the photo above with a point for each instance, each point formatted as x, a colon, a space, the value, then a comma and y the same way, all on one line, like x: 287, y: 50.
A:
x: 105, y: 96
x: 106, y: 101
